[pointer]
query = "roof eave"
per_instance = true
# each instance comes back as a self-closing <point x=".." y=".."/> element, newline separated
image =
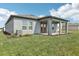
<point x="53" y="18"/>
<point x="11" y="16"/>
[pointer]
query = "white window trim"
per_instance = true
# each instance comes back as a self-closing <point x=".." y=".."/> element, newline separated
<point x="30" y="25"/>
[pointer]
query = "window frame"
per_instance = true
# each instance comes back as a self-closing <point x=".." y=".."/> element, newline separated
<point x="24" y="23"/>
<point x="25" y="27"/>
<point x="30" y="25"/>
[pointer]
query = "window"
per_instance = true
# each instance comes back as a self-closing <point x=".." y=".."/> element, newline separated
<point x="24" y="27"/>
<point x="24" y="24"/>
<point x="41" y="25"/>
<point x="52" y="26"/>
<point x="27" y="25"/>
<point x="30" y="25"/>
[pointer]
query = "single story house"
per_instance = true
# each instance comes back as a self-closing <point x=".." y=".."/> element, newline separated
<point x="30" y="24"/>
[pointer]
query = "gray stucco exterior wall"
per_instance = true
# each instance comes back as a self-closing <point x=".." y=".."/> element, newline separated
<point x="18" y="23"/>
<point x="9" y="26"/>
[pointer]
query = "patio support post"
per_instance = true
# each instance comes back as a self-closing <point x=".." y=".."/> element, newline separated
<point x="49" y="23"/>
<point x="66" y="28"/>
<point x="43" y="27"/>
<point x="60" y="27"/>
<point x="55" y="28"/>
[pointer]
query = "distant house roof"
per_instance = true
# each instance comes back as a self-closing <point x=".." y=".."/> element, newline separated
<point x="34" y="17"/>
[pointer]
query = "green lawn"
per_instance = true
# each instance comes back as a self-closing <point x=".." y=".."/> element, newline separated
<point x="40" y="45"/>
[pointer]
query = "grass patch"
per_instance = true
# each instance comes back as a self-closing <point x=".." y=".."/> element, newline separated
<point x="39" y="45"/>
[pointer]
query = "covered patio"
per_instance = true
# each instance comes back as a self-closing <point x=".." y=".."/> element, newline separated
<point x="53" y="26"/>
